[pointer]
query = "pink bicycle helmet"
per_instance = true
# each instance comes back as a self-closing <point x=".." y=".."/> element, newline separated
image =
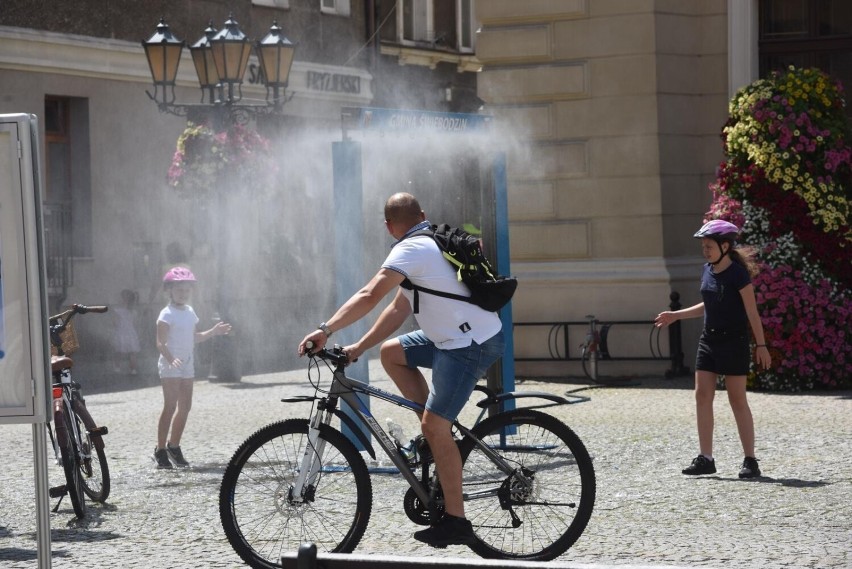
<point x="178" y="275"/>
<point x="718" y="230"/>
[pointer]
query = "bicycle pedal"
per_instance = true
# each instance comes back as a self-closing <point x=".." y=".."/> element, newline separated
<point x="57" y="491"/>
<point x="100" y="431"/>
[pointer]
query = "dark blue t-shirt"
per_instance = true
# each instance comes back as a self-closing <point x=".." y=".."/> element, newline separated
<point x="723" y="304"/>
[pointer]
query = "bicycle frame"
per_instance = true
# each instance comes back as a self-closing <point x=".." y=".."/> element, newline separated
<point x="348" y="389"/>
<point x="62" y="401"/>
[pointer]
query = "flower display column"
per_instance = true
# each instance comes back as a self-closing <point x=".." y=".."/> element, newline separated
<point x="787" y="181"/>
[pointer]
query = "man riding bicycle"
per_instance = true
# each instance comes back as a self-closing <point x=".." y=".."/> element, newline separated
<point x="457" y="340"/>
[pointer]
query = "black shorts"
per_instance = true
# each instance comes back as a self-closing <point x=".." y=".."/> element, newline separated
<point x="724" y="353"/>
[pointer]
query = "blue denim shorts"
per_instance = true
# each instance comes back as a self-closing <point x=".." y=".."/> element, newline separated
<point x="454" y="372"/>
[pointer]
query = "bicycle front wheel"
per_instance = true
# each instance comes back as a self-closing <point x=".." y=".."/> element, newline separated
<point x="540" y="510"/>
<point x="69" y="451"/>
<point x="263" y="519"/>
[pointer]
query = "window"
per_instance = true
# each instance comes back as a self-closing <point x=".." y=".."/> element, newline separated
<point x="416" y="25"/>
<point x="807" y="33"/>
<point x="336" y="7"/>
<point x="272" y="3"/>
<point x="437" y="24"/>
<point x="465" y="22"/>
<point x="67" y="175"/>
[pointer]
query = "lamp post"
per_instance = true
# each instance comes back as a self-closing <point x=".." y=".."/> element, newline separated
<point x="220" y="58"/>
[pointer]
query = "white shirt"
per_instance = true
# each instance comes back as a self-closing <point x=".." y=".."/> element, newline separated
<point x="449" y="323"/>
<point x="181" y="339"/>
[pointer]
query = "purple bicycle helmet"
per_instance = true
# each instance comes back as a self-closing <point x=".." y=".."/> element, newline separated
<point x="718" y="230"/>
<point x="178" y="275"/>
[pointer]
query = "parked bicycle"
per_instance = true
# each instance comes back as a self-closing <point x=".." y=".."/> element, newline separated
<point x="528" y="480"/>
<point x="591" y="349"/>
<point x="77" y="440"/>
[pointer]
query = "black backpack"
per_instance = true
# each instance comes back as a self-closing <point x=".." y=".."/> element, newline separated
<point x="488" y="291"/>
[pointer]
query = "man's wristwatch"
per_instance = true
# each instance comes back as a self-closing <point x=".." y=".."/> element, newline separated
<point x="325" y="329"/>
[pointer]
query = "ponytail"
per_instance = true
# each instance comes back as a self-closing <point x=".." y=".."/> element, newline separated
<point x="744" y="255"/>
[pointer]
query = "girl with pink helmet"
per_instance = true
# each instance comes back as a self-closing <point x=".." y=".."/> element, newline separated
<point x="729" y="310"/>
<point x="176" y="339"/>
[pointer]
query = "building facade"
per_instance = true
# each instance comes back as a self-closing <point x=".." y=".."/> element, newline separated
<point x="617" y="107"/>
<point x="609" y="112"/>
<point x="113" y="222"/>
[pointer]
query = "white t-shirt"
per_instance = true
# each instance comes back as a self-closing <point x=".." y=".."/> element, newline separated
<point x="449" y="323"/>
<point x="180" y="341"/>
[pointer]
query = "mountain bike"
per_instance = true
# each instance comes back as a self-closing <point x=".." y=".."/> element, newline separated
<point x="528" y="480"/>
<point x="77" y="441"/>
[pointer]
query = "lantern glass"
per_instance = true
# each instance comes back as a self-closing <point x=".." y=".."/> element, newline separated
<point x="163" y="51"/>
<point x="202" y="57"/>
<point x="231" y="51"/>
<point x="275" y="54"/>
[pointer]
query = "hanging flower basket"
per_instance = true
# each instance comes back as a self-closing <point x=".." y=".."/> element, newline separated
<point x="205" y="158"/>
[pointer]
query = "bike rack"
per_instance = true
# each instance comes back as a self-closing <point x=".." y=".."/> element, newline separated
<point x="559" y="340"/>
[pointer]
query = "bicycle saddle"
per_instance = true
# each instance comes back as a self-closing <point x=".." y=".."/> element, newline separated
<point x="58" y="363"/>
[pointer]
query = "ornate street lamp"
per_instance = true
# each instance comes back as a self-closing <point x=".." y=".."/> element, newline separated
<point x="163" y="51"/>
<point x="275" y="53"/>
<point x="220" y="58"/>
<point x="231" y="50"/>
<point x="202" y="57"/>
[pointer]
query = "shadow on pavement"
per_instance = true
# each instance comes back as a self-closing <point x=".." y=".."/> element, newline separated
<point x="789" y="482"/>
<point x="17" y="554"/>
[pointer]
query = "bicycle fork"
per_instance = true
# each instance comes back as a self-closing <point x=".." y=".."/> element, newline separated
<point x="312" y="458"/>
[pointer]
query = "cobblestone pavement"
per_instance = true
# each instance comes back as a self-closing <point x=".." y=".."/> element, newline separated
<point x="647" y="514"/>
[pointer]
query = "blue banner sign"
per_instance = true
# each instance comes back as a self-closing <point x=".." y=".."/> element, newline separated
<point x="411" y="121"/>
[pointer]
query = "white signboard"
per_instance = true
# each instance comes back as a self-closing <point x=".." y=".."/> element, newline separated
<point x="24" y="375"/>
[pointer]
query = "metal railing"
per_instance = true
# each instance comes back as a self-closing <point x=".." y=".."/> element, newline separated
<point x="591" y="344"/>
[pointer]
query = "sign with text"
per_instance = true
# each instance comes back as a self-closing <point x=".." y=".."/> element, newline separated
<point x="412" y="121"/>
<point x="24" y="375"/>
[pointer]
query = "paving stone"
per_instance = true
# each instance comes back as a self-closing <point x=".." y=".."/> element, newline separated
<point x="647" y="513"/>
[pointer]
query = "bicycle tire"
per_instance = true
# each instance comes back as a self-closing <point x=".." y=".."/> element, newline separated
<point x="94" y="469"/>
<point x="553" y="513"/>
<point x="68" y="451"/>
<point x="584" y="359"/>
<point x="260" y="520"/>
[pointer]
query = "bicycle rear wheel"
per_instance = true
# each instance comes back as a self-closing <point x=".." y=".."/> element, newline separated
<point x="69" y="452"/>
<point x="258" y="512"/>
<point x="94" y="470"/>
<point x="93" y="465"/>
<point x="539" y="522"/>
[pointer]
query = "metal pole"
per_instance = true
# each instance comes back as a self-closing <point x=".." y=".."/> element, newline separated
<point x="675" y="341"/>
<point x="307" y="556"/>
<point x="41" y="492"/>
<point x="348" y="267"/>
<point x="501" y="218"/>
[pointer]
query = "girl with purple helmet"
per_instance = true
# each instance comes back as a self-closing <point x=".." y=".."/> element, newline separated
<point x="176" y="339"/>
<point x="729" y="310"/>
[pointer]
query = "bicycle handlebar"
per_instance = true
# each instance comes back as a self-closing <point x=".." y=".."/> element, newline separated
<point x="336" y="355"/>
<point x="56" y="328"/>
<point x="77" y="309"/>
